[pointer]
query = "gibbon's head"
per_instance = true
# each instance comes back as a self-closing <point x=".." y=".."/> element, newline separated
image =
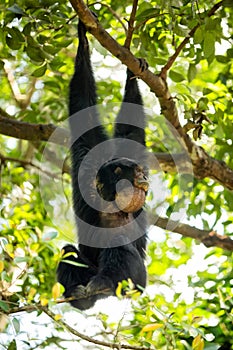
<point x="123" y="181"/>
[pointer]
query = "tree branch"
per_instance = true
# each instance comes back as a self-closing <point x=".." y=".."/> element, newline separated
<point x="112" y="11"/>
<point x="25" y="163"/>
<point x="207" y="237"/>
<point x="33" y="132"/>
<point x="131" y="25"/>
<point x="61" y="323"/>
<point x="22" y="100"/>
<point x="203" y="164"/>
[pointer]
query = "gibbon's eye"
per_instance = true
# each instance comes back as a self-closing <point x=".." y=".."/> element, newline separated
<point x="118" y="170"/>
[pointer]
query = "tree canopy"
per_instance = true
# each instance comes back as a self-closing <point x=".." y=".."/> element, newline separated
<point x="187" y="93"/>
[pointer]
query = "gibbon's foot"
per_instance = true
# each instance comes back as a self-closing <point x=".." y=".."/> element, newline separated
<point x="101" y="286"/>
<point x="80" y="292"/>
<point x="82" y="301"/>
<point x="143" y="65"/>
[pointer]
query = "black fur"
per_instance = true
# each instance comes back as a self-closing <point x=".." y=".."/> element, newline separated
<point x="107" y="257"/>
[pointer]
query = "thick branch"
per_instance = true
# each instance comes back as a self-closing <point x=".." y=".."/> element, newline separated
<point x="208" y="238"/>
<point x="203" y="164"/>
<point x="33" y="132"/>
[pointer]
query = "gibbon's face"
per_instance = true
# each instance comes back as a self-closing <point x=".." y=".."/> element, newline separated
<point x="125" y="182"/>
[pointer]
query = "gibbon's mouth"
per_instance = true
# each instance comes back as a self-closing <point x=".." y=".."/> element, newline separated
<point x="130" y="199"/>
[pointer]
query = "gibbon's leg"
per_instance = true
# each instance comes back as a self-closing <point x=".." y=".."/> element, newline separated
<point x="74" y="278"/>
<point x="117" y="264"/>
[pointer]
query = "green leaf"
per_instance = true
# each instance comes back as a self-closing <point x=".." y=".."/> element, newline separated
<point x="16" y="325"/>
<point x="160" y="61"/>
<point x="222" y="59"/>
<point x="227" y="3"/>
<point x="207" y="91"/>
<point x="148" y="13"/>
<point x="12" y="43"/>
<point x="34" y="53"/>
<point x="192" y="71"/>
<point x="12" y="345"/>
<point x="180" y="30"/>
<point x="14" y="38"/>
<point x="202" y="103"/>
<point x="27" y="29"/>
<point x="16" y="34"/>
<point x="39" y="72"/>
<point x="210" y="24"/>
<point x="16" y="9"/>
<point x="230" y="53"/>
<point x="48" y="236"/>
<point x="4" y="306"/>
<point x="198" y="35"/>
<point x="176" y="76"/>
<point x="51" y="49"/>
<point x="209" y="44"/>
<point x="21" y="259"/>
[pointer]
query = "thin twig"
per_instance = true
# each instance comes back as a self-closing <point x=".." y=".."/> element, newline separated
<point x="91" y="339"/>
<point x="22" y="100"/>
<point x="53" y="316"/>
<point x="131" y="25"/>
<point x="112" y="11"/>
<point x="148" y="18"/>
<point x="26" y="163"/>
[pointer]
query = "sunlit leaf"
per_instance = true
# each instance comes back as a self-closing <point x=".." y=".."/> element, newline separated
<point x="119" y="290"/>
<point x="58" y="317"/>
<point x="1" y="266"/>
<point x="152" y="327"/>
<point x="44" y="301"/>
<point x="198" y="343"/>
<point x="57" y="290"/>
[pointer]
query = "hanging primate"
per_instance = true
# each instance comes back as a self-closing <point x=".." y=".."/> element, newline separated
<point x="109" y="180"/>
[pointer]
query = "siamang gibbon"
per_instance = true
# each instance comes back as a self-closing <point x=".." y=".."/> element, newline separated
<point x="109" y="182"/>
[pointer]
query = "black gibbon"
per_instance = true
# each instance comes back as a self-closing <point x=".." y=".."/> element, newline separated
<point x="108" y="190"/>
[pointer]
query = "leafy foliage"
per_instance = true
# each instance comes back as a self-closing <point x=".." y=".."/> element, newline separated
<point x="188" y="304"/>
